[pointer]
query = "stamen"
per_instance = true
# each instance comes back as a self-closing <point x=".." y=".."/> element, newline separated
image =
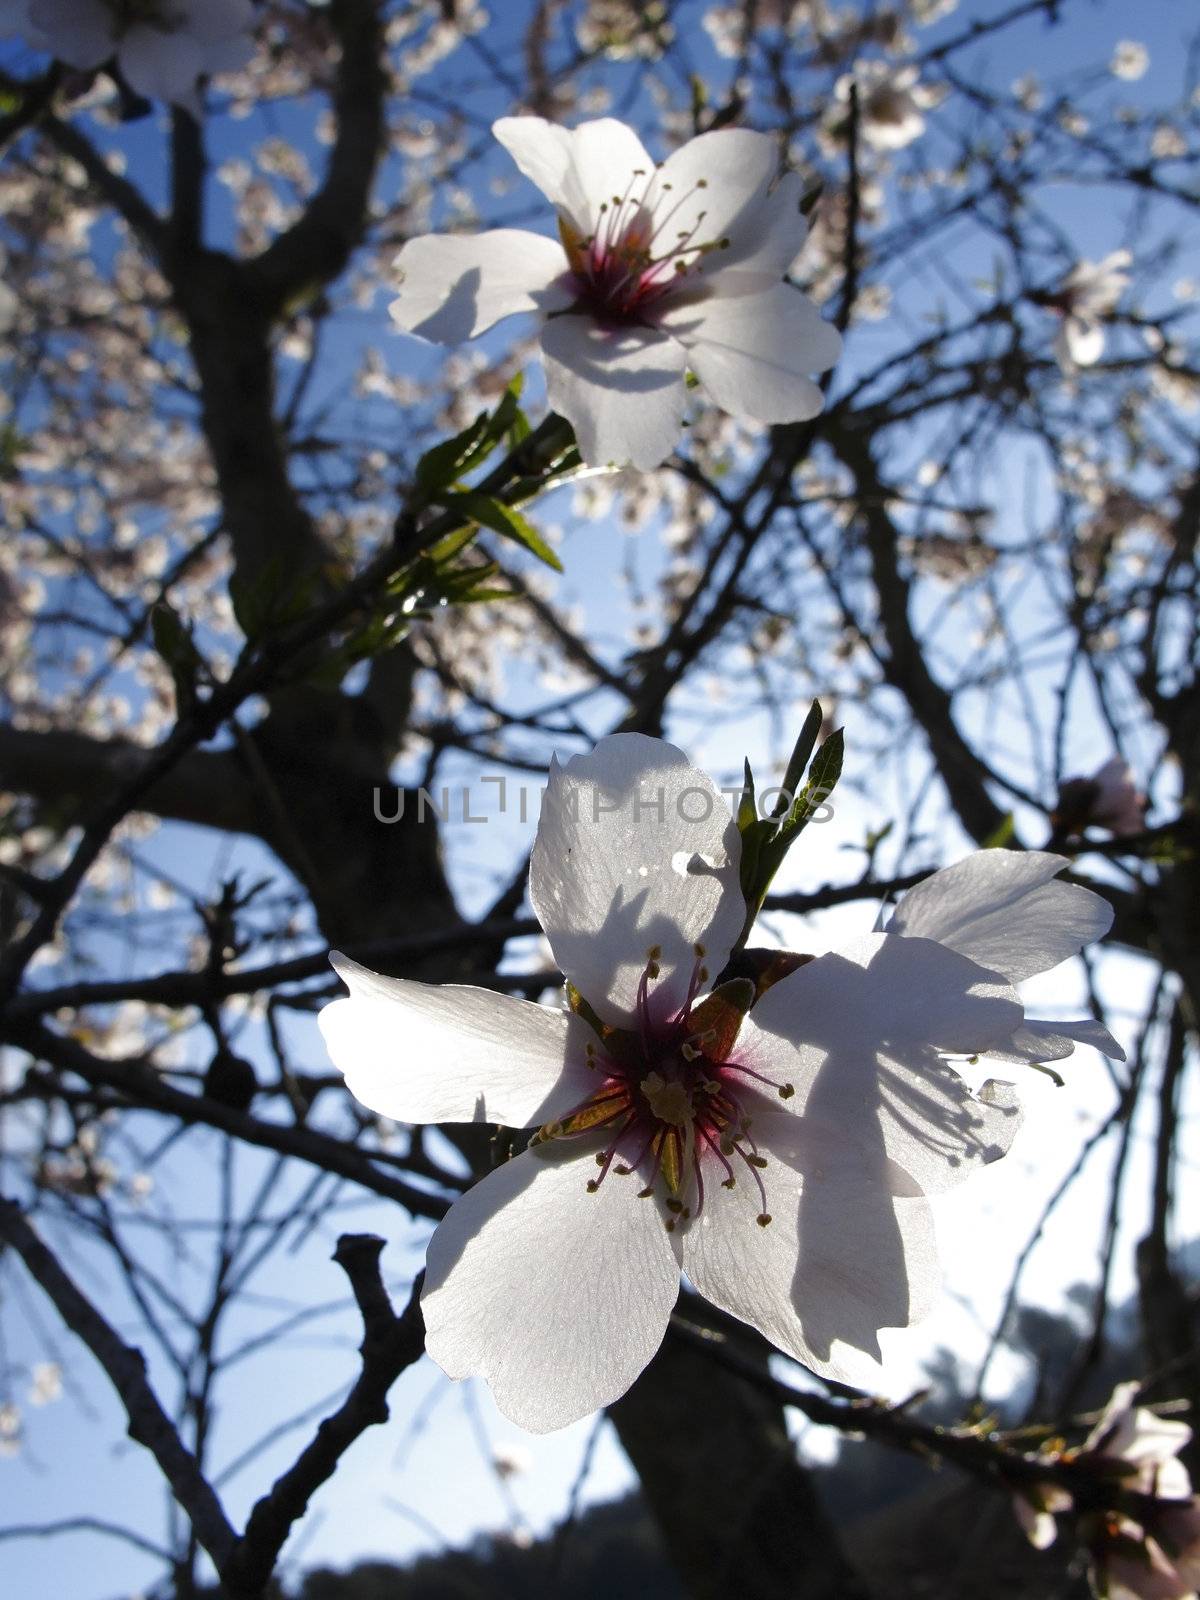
<point x="785" y="1091"/>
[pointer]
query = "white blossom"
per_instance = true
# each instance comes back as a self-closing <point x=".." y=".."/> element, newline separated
<point x="891" y="103"/>
<point x="781" y="1160"/>
<point x="1145" y="1444"/>
<point x="657" y="270"/>
<point x="1129" y="60"/>
<point x="1159" y="1557"/>
<point x="162" y="46"/>
<point x="1089" y="292"/>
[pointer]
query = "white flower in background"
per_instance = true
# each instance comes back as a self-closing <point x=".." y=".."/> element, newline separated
<point x="46" y="1385"/>
<point x="1089" y="293"/>
<point x="1035" y="1507"/>
<point x="1007" y="911"/>
<point x="781" y="1160"/>
<point x="162" y="46"/>
<point x="1158" y="1558"/>
<point x="1129" y="60"/>
<point x="891" y="103"/>
<point x="660" y="270"/>
<point x="1145" y="1445"/>
<point x="1108" y="799"/>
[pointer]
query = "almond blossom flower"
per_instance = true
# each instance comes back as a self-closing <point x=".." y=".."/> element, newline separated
<point x="891" y="103"/>
<point x="1088" y="294"/>
<point x="1130" y="60"/>
<point x="1158" y="1557"/>
<point x="1007" y="911"/>
<point x="1108" y="799"/>
<point x="1133" y="1450"/>
<point x="1144" y="1445"/>
<point x="162" y="46"/>
<point x="781" y="1160"/>
<point x="657" y="271"/>
<point x="1118" y="805"/>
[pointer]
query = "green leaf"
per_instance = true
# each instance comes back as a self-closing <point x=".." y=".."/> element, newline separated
<point x="174" y="643"/>
<point x="805" y="745"/>
<point x="766" y="841"/>
<point x="502" y="519"/>
<point x="1001" y="835"/>
<point x="446" y="462"/>
<point x="747" y="811"/>
<point x="823" y="776"/>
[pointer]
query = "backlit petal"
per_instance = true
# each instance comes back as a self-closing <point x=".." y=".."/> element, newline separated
<point x="557" y="1297"/>
<point x="841" y="1258"/>
<point x="723" y="186"/>
<point x="420" y="1052"/>
<point x="635" y="850"/>
<point x="1006" y="910"/>
<point x="858" y="1035"/>
<point x="577" y="169"/>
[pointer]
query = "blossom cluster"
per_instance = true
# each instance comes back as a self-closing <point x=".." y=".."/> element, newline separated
<point x="162" y="47"/>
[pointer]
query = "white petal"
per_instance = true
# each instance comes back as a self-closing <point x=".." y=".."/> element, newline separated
<point x="1136" y="1434"/>
<point x="1080" y="342"/>
<point x="557" y="1297"/>
<point x="578" y="169"/>
<point x="1006" y="910"/>
<point x="212" y="21"/>
<point x="841" y="1257"/>
<point x="858" y="1034"/>
<point x="1054" y="1041"/>
<point x="162" y="66"/>
<point x="79" y="32"/>
<point x="421" y="1052"/>
<point x="739" y="200"/>
<point x="1039" y="1526"/>
<point x="621" y="389"/>
<point x="635" y="849"/>
<point x="751" y="352"/>
<point x="454" y="287"/>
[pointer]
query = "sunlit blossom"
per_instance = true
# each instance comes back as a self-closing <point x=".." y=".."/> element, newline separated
<point x="1130" y="60"/>
<point x="1088" y="294"/>
<point x="658" y="270"/>
<point x="891" y="103"/>
<point x="781" y="1160"/>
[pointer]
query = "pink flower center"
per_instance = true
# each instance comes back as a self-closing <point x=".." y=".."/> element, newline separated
<point x="637" y="255"/>
<point x="671" y="1101"/>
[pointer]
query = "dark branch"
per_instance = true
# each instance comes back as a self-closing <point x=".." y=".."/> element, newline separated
<point x="149" y="1424"/>
<point x="390" y="1344"/>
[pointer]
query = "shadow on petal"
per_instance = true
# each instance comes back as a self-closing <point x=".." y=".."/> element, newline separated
<point x="459" y="310"/>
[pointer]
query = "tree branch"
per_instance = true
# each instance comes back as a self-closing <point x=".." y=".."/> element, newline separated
<point x="390" y="1344"/>
<point x="149" y="1424"/>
